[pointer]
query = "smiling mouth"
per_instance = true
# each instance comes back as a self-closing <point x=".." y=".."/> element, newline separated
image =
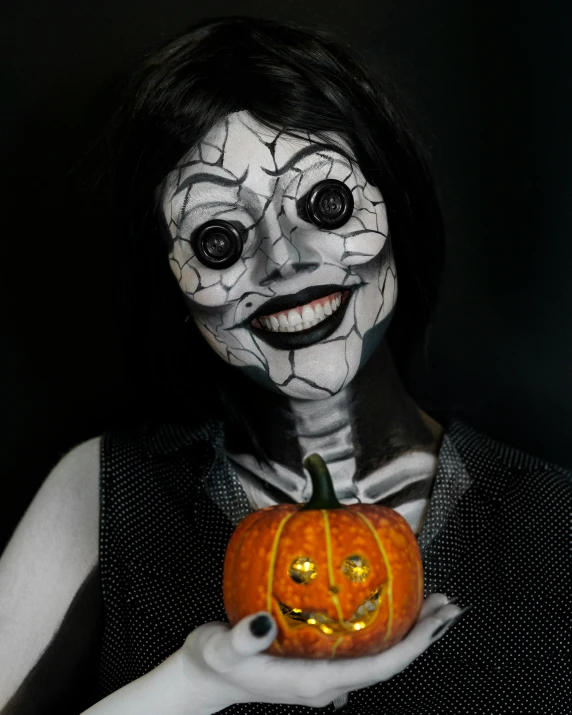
<point x="301" y="319"/>
<point x="364" y="616"/>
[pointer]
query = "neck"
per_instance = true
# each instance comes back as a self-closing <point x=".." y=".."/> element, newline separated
<point x="378" y="445"/>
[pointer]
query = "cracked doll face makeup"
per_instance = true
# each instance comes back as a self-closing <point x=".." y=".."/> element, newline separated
<point x="281" y="249"/>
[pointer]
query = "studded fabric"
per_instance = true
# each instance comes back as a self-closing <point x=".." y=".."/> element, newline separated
<point x="495" y="537"/>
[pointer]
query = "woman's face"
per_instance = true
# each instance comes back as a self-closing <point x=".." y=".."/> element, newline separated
<point x="295" y="294"/>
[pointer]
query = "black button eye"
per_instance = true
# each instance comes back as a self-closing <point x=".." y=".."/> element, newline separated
<point x="329" y="204"/>
<point x="217" y="244"/>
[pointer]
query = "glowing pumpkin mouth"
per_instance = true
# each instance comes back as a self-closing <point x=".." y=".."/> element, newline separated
<point x="363" y="617"/>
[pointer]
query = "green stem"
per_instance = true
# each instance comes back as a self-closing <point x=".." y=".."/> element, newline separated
<point x="323" y="494"/>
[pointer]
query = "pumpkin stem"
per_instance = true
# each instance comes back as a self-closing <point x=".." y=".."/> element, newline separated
<point x="323" y="494"/>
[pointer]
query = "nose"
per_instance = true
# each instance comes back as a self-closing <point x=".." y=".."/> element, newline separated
<point x="286" y="257"/>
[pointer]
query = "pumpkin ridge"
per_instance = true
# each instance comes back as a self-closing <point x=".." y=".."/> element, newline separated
<point x="389" y="573"/>
<point x="231" y="563"/>
<point x="330" y="559"/>
<point x="335" y="646"/>
<point x="235" y="562"/>
<point x="273" y="554"/>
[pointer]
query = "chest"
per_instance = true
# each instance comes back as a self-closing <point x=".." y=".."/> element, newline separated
<point x="404" y="484"/>
<point x="162" y="551"/>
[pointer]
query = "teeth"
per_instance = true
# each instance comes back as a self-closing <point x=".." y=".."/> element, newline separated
<point x="308" y="314"/>
<point x="294" y="318"/>
<point x="301" y="318"/>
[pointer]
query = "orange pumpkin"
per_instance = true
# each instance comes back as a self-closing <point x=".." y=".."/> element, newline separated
<point x="341" y="581"/>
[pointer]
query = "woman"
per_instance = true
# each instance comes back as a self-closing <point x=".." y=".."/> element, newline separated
<point x="291" y="201"/>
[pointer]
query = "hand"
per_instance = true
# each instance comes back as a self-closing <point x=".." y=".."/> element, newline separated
<point x="234" y="669"/>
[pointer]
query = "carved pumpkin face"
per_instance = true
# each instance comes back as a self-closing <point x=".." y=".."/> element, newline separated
<point x="340" y="582"/>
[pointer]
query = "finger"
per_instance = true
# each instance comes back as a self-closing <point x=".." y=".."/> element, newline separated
<point x="445" y="614"/>
<point x="248" y="637"/>
<point x="340" y="701"/>
<point x="253" y="634"/>
<point x="362" y="672"/>
<point x="433" y="603"/>
<point x="449" y="622"/>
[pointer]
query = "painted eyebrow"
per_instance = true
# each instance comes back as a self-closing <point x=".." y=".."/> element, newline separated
<point x="215" y="208"/>
<point x="302" y="154"/>
<point x="205" y="177"/>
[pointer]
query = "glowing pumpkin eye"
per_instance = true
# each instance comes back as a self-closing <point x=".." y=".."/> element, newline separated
<point x="356" y="568"/>
<point x="302" y="570"/>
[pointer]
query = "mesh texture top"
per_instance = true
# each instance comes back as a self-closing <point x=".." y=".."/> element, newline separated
<point x="495" y="537"/>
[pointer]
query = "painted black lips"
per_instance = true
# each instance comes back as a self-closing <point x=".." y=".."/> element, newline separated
<point x="309" y="336"/>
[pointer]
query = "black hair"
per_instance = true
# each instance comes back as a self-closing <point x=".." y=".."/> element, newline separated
<point x="291" y="79"/>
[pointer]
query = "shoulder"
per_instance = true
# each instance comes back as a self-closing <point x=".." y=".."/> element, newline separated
<point x="66" y="505"/>
<point x="527" y="498"/>
<point x="76" y="475"/>
<point x="52" y="552"/>
<point x="489" y="459"/>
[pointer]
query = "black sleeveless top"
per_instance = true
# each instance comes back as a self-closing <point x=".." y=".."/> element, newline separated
<point x="495" y="537"/>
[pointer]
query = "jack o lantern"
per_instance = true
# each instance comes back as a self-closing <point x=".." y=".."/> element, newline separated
<point x="341" y="581"/>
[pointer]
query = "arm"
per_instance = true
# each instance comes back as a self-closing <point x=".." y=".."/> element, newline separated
<point x="49" y="592"/>
<point x="218" y="666"/>
<point x="48" y="627"/>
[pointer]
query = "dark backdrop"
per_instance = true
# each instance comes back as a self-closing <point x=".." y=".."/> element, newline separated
<point x="490" y="87"/>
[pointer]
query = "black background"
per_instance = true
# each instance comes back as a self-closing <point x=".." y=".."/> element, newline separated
<point x="489" y="86"/>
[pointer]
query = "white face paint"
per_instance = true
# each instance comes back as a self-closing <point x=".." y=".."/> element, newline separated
<point x="302" y="307"/>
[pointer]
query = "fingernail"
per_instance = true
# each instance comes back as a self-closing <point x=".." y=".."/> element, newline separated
<point x="451" y="622"/>
<point x="260" y="625"/>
